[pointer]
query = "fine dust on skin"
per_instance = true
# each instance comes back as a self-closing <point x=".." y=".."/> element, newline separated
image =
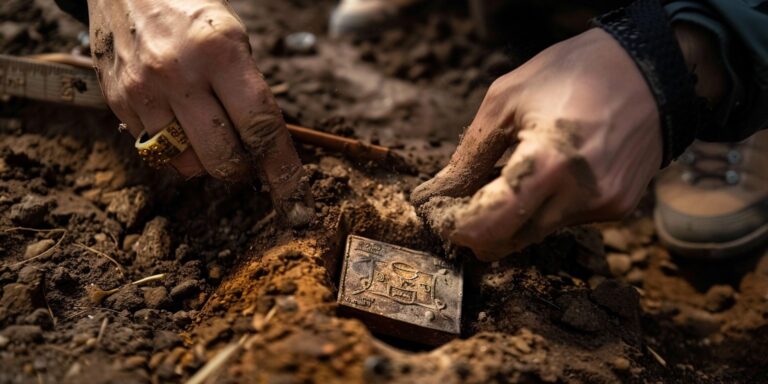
<point x="297" y="209"/>
<point x="104" y="46"/>
<point x="514" y="173"/>
<point x="464" y="180"/>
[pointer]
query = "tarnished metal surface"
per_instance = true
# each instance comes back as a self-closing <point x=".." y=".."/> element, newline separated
<point x="401" y="292"/>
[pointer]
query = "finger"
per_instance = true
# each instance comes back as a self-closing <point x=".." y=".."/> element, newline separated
<point x="497" y="212"/>
<point x="486" y="140"/>
<point x="155" y="116"/>
<point x="212" y="136"/>
<point x="249" y="103"/>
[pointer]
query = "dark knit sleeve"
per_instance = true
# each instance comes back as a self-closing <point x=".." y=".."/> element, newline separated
<point x="77" y="8"/>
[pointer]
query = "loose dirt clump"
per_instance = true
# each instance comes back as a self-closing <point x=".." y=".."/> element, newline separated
<point x="199" y="280"/>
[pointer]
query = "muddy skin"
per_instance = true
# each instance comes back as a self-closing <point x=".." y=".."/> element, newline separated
<point x="463" y="181"/>
<point x="104" y="45"/>
<point x="515" y="173"/>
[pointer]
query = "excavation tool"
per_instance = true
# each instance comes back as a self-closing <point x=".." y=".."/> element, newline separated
<point x="70" y="80"/>
<point x="400" y="292"/>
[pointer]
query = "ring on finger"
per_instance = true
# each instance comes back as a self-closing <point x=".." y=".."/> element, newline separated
<point x="158" y="150"/>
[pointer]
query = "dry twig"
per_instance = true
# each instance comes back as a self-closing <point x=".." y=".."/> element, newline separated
<point x="45" y="253"/>
<point x="104" y="255"/>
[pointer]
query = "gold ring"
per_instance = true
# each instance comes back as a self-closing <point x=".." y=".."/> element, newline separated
<point x="159" y="149"/>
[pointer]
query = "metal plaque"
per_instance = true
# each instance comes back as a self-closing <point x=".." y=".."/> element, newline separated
<point x="401" y="292"/>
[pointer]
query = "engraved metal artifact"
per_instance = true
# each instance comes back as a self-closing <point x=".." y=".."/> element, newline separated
<point x="401" y="292"/>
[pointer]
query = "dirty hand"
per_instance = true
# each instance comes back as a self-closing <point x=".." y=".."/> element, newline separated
<point x="191" y="59"/>
<point x="585" y="132"/>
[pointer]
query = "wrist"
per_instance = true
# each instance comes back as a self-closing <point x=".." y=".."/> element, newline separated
<point x="700" y="50"/>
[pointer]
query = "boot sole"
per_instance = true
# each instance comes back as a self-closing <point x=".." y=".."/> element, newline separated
<point x="712" y="251"/>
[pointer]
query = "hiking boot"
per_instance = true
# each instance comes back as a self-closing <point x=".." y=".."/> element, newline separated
<point x="713" y="202"/>
<point x="366" y="17"/>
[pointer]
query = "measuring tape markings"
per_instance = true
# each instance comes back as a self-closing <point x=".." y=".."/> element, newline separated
<point x="49" y="82"/>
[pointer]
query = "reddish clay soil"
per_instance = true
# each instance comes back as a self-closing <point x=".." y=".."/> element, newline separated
<point x="79" y="214"/>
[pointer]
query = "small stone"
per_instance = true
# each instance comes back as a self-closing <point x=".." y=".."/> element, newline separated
<point x="4" y="341"/>
<point x="181" y="319"/>
<point x="129" y="241"/>
<point x="215" y="272"/>
<point x="184" y="289"/>
<point x="621" y="364"/>
<point x="154" y="243"/>
<point x="133" y="362"/>
<point x="130" y="205"/>
<point x="635" y="276"/>
<point x="166" y="340"/>
<point x="37" y="248"/>
<point x="128" y="298"/>
<point x="668" y="267"/>
<point x="719" y="298"/>
<point x="23" y="334"/>
<point x="619" y="263"/>
<point x="616" y="239"/>
<point x="521" y="345"/>
<point x="40" y="317"/>
<point x="156" y="297"/>
<point x="701" y="323"/>
<point x="595" y="280"/>
<point x="639" y="256"/>
<point x="31" y="211"/>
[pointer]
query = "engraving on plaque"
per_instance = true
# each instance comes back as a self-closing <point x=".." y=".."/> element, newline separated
<point x="400" y="284"/>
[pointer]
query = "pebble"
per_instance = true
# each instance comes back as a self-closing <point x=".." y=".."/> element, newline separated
<point x="621" y="364"/>
<point x="38" y="248"/>
<point x="719" y="298"/>
<point x="129" y="241"/>
<point x="185" y="288"/>
<point x="23" y="333"/>
<point x="156" y="297"/>
<point x="616" y="239"/>
<point x="4" y="341"/>
<point x="134" y="362"/>
<point x="619" y="263"/>
<point x="31" y="211"/>
<point x="154" y="243"/>
<point x="130" y="205"/>
<point x="635" y="276"/>
<point x="639" y="256"/>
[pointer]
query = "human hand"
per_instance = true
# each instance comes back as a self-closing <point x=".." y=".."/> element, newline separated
<point x="586" y="136"/>
<point x="191" y="59"/>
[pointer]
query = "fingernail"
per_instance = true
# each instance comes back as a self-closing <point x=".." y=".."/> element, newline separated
<point x="297" y="214"/>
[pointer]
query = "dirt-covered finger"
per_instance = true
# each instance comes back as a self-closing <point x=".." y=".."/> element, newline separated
<point x="489" y="222"/>
<point x="259" y="123"/>
<point x="484" y="142"/>
<point x="212" y="136"/>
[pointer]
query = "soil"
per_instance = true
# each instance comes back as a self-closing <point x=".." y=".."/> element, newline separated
<point x="229" y="287"/>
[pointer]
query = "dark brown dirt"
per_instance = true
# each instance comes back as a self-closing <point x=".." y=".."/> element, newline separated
<point x="603" y="304"/>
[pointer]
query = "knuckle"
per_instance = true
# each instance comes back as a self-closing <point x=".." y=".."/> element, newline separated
<point x="259" y="132"/>
<point x="227" y="36"/>
<point x="131" y="83"/>
<point x="164" y="63"/>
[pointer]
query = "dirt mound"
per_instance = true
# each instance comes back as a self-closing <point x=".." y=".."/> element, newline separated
<point x="111" y="272"/>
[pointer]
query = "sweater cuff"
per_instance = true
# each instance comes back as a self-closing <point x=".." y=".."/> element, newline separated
<point x="643" y="30"/>
<point x="77" y="8"/>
